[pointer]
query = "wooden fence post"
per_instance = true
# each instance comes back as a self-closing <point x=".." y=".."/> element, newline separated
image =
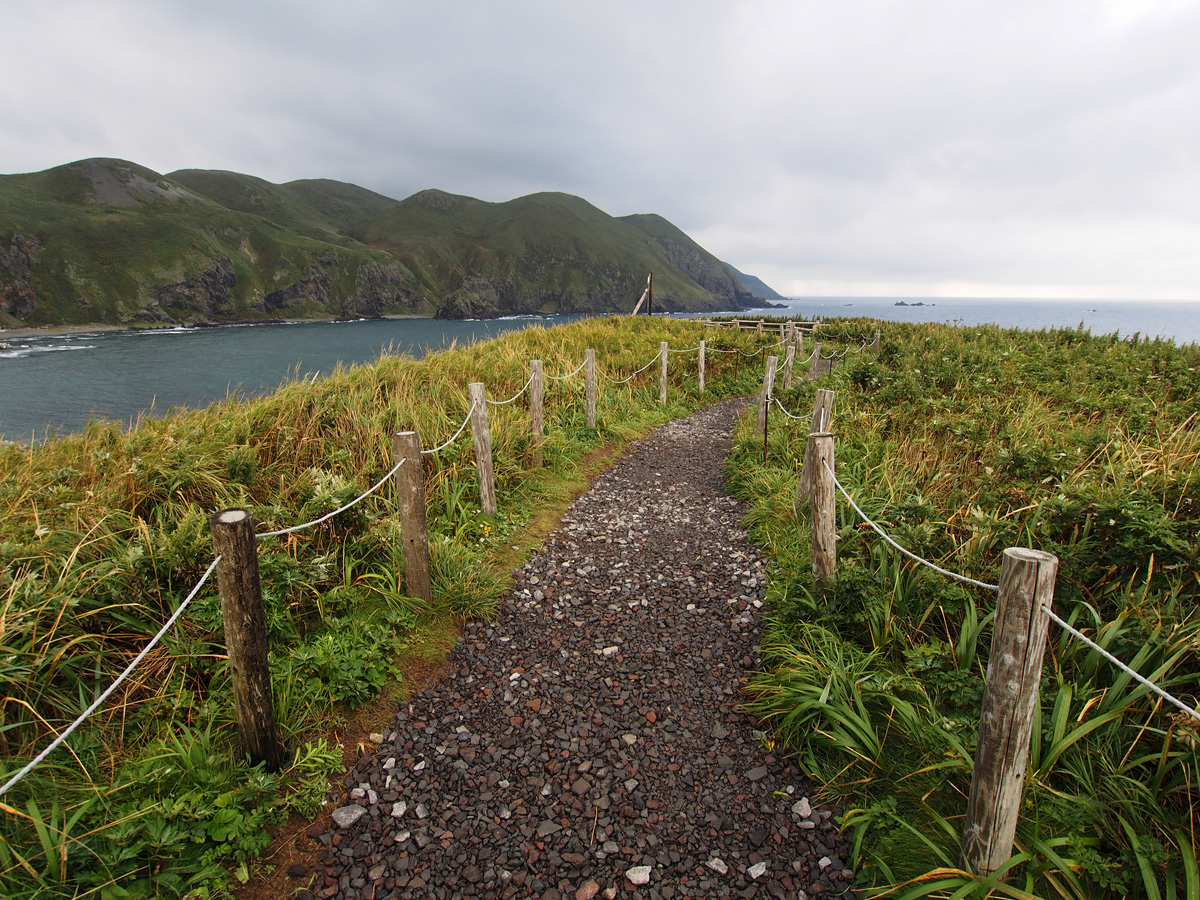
<point x="536" y="423"/>
<point x="410" y="498"/>
<point x="817" y="366"/>
<point x="875" y="343"/>
<point x="788" y="362"/>
<point x="245" y="634"/>
<point x="663" y="353"/>
<point x="1010" y="701"/>
<point x="822" y="420"/>
<point x="483" y="447"/>
<point x="589" y="370"/>
<point x="701" y="367"/>
<point x="824" y="508"/>
<point x="764" y="396"/>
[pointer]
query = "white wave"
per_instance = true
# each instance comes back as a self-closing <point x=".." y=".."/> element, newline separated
<point x="30" y="349"/>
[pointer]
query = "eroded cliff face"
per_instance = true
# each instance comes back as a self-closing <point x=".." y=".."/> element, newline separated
<point x="205" y="298"/>
<point x="380" y="287"/>
<point x="18" y="256"/>
<point x="718" y="279"/>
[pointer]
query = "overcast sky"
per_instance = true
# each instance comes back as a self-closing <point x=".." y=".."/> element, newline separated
<point x="1010" y="148"/>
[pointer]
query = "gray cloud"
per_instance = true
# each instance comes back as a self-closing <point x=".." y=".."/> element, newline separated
<point x="1014" y="148"/>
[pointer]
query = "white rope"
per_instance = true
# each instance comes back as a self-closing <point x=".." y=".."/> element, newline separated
<point x="1120" y="665"/>
<point x="755" y="353"/>
<point x="33" y="763"/>
<point x="718" y="350"/>
<point x="565" y="377"/>
<point x="657" y="356"/>
<point x="784" y="408"/>
<point x="810" y="356"/>
<point x="380" y="483"/>
<point x="909" y="554"/>
<point x="673" y="350"/>
<point x="461" y="429"/>
<point x="514" y="396"/>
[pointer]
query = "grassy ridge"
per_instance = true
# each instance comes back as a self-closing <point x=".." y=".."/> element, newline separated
<point x="109" y="242"/>
<point x="961" y="442"/>
<point x="103" y="533"/>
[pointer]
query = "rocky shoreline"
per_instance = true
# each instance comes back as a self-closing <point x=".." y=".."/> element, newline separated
<point x="588" y="742"/>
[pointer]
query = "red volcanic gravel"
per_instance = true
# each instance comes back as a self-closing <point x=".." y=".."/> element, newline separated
<point x="587" y="742"/>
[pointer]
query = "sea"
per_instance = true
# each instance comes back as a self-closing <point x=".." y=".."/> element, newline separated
<point x="54" y="383"/>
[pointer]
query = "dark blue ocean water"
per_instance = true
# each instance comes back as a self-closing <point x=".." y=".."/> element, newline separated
<point x="58" y="382"/>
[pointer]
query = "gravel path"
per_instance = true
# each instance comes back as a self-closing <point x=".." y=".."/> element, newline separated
<point x="587" y="743"/>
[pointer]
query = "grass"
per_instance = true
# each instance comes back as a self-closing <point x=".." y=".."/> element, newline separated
<point x="104" y="532"/>
<point x="961" y="442"/>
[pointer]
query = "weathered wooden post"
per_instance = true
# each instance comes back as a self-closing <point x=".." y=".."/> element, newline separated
<point x="816" y="367"/>
<point x="824" y="508"/>
<point x="410" y="499"/>
<point x="1010" y="701"/>
<point x="650" y="294"/>
<point x="245" y="634"/>
<point x="701" y="367"/>
<point x="589" y="369"/>
<point x="663" y="353"/>
<point x="483" y="447"/>
<point x="764" y="396"/>
<point x="875" y="343"/>
<point x="788" y="362"/>
<point x="536" y="423"/>
<point x="822" y="419"/>
<point x="759" y="328"/>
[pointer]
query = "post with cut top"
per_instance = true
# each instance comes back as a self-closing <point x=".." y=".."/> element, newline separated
<point x="589" y="371"/>
<point x="822" y="420"/>
<point x="1010" y="701"/>
<point x="410" y="500"/>
<point x="764" y="396"/>
<point x="824" y="509"/>
<point x="536" y="423"/>
<point x="788" y="362"/>
<point x="483" y="447"/>
<point x="663" y="353"/>
<point x="875" y="343"/>
<point x="245" y="634"/>
<point x="701" y="367"/>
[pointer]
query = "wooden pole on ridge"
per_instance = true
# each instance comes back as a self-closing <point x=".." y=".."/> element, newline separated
<point x="410" y="499"/>
<point x="824" y="508"/>
<point x="701" y="367"/>
<point x="663" y="353"/>
<point x="1010" y="701"/>
<point x="246" y="634"/>
<point x="536" y="416"/>
<point x="589" y="369"/>
<point x="483" y="447"/>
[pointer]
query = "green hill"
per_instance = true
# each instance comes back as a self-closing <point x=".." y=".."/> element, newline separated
<point x="109" y="242"/>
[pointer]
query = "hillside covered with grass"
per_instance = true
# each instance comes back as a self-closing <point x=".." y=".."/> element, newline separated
<point x="105" y="241"/>
<point x="960" y="442"/>
<point x="103" y="534"/>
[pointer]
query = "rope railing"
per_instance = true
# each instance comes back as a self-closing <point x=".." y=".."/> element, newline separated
<point x="657" y="356"/>
<point x="688" y="350"/>
<point x="571" y="375"/>
<point x="341" y="509"/>
<point x="461" y="429"/>
<point x="513" y="397"/>
<point x="98" y="702"/>
<point x="1145" y="682"/>
<point x="1054" y="617"/>
<point x="883" y="534"/>
<point x="784" y="409"/>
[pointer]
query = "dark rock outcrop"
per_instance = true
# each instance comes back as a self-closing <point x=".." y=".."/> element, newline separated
<point x="205" y="298"/>
<point x="18" y="256"/>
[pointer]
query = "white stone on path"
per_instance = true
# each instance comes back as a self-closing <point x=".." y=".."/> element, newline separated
<point x="717" y="865"/>
<point x="345" y="816"/>
<point x="399" y="808"/>
<point x="802" y="808"/>
<point x="638" y="875"/>
<point x="757" y="870"/>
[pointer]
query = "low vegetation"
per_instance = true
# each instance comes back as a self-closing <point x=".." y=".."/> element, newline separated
<point x="961" y="442"/>
<point x="103" y="533"/>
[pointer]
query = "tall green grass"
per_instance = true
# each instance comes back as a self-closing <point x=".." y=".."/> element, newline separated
<point x="961" y="442"/>
<point x="103" y="533"/>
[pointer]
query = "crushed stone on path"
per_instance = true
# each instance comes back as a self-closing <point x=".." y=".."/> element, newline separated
<point x="587" y="742"/>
